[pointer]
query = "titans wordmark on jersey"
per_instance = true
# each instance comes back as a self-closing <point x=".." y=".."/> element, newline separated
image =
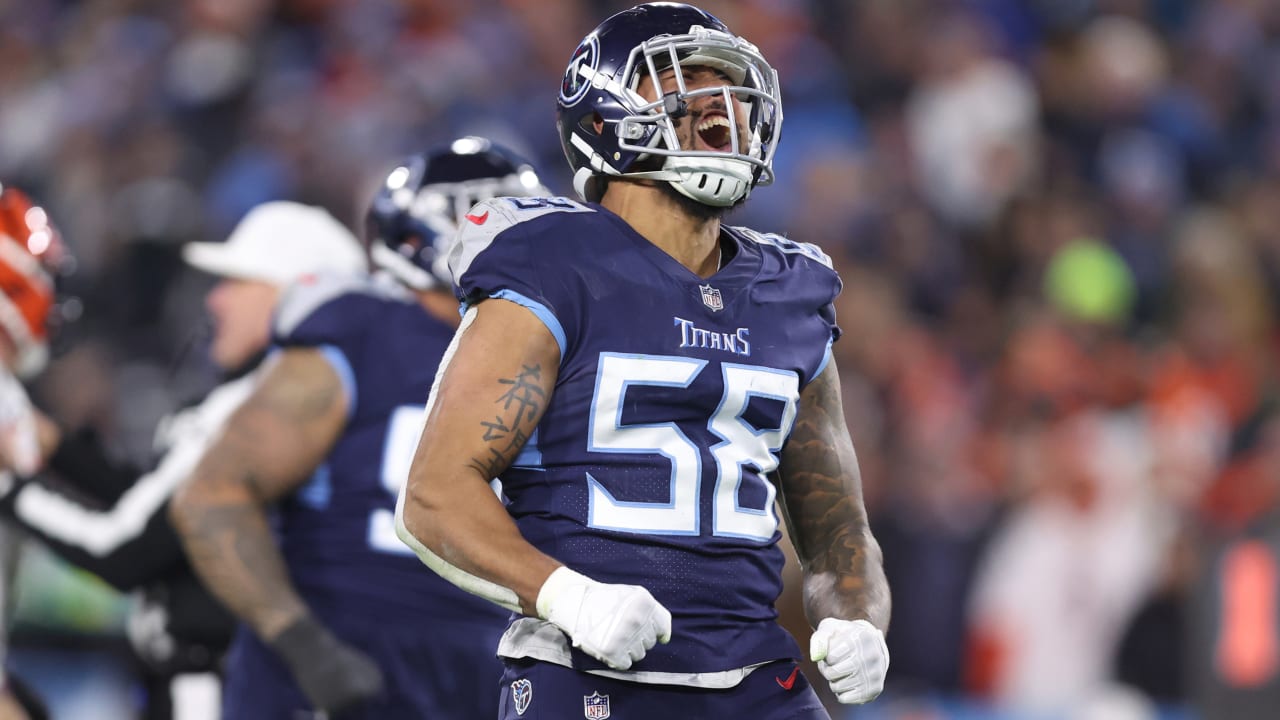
<point x="674" y="398"/>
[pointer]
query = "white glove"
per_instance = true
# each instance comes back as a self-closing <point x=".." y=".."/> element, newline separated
<point x="615" y="624"/>
<point x="853" y="658"/>
<point x="19" y="441"/>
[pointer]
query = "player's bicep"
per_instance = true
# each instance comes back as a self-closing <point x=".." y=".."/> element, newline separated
<point x="820" y="484"/>
<point x="491" y="392"/>
<point x="282" y="432"/>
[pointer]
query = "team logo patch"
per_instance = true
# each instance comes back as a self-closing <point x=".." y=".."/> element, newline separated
<point x="595" y="706"/>
<point x="522" y="694"/>
<point x="711" y="297"/>
<point x="573" y="86"/>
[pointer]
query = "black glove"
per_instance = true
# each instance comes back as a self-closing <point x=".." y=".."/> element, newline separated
<point x="333" y="675"/>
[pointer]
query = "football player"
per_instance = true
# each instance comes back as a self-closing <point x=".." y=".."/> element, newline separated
<point x="325" y="438"/>
<point x="646" y="381"/>
<point x="116" y="523"/>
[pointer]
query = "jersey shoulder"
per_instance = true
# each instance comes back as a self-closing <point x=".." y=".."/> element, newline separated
<point x="325" y="309"/>
<point x="503" y="225"/>
<point x="793" y="274"/>
<point x="783" y="247"/>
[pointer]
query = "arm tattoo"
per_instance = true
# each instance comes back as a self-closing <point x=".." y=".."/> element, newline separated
<point x="225" y="544"/>
<point x="822" y="496"/>
<point x="522" y="402"/>
<point x="267" y="448"/>
<point x="284" y="415"/>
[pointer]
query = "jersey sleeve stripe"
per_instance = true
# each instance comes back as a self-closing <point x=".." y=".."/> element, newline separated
<point x="318" y="489"/>
<point x="530" y="457"/>
<point x="826" y="358"/>
<point x="544" y="314"/>
<point x="342" y="366"/>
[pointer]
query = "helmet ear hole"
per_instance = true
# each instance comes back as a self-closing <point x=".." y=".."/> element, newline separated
<point x="593" y="123"/>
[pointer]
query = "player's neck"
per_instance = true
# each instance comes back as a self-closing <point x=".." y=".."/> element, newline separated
<point x="692" y="241"/>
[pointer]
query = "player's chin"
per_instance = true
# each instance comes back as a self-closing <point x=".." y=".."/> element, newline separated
<point x="695" y="209"/>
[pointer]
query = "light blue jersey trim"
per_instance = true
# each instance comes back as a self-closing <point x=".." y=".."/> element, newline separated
<point x="542" y="311"/>
<point x="316" y="493"/>
<point x="340" y="365"/>
<point x="826" y="358"/>
<point x="530" y="457"/>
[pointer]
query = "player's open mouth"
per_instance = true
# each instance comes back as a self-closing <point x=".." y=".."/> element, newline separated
<point x="715" y="132"/>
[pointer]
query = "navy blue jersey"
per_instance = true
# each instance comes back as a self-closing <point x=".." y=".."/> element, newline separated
<point x="337" y="532"/>
<point x="674" y="398"/>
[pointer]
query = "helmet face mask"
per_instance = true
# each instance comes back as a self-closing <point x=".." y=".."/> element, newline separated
<point x="602" y="84"/>
<point x="416" y="211"/>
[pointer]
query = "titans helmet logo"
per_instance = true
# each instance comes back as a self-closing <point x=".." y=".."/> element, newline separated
<point x="574" y="85"/>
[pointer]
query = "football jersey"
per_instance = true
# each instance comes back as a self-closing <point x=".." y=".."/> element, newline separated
<point x="674" y="397"/>
<point x="337" y="532"/>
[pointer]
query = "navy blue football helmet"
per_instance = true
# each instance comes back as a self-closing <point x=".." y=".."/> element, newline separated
<point x="601" y="84"/>
<point x="415" y="213"/>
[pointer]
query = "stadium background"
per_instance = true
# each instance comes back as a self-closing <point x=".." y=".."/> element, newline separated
<point x="1056" y="221"/>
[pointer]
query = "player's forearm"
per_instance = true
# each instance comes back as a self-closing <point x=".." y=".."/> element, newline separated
<point x="493" y="390"/>
<point x="848" y="582"/>
<point x="821" y="491"/>
<point x="842" y="562"/>
<point x="226" y="537"/>
<point x="461" y="531"/>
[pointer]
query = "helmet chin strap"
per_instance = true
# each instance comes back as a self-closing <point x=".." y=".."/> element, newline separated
<point x="719" y="182"/>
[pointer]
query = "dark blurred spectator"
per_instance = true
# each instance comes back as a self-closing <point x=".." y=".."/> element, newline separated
<point x="971" y="119"/>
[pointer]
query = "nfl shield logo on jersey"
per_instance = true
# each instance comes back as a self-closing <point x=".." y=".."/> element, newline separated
<point x="711" y="297"/>
<point x="595" y="706"/>
<point x="522" y="694"/>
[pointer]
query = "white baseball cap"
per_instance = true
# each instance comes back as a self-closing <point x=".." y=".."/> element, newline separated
<point x="279" y="242"/>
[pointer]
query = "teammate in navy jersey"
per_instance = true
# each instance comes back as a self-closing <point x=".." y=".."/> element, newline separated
<point x="106" y="516"/>
<point x="326" y="436"/>
<point x="646" y="382"/>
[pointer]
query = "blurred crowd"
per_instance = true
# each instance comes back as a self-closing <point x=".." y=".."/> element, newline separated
<point x="1057" y="223"/>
